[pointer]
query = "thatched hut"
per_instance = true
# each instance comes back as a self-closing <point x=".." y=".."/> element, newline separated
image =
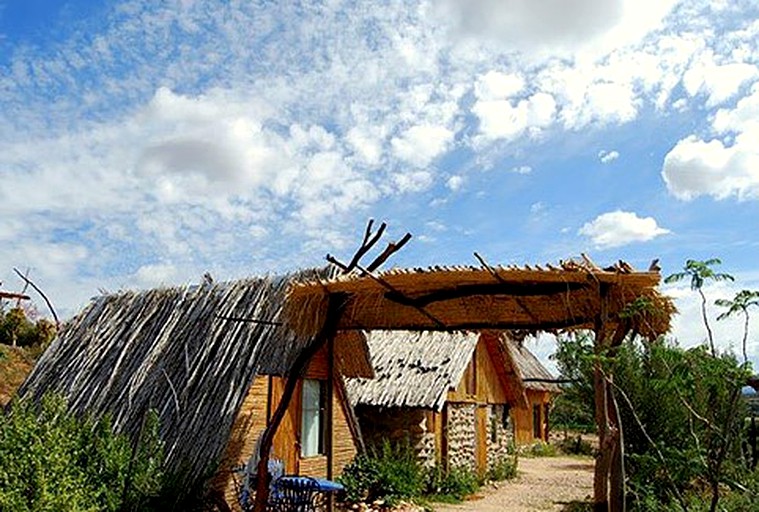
<point x="459" y="399"/>
<point x="211" y="360"/>
<point x="531" y="418"/>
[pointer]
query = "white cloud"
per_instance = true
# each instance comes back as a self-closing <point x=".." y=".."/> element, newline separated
<point x="718" y="82"/>
<point x="455" y="183"/>
<point x="607" y="156"/>
<point x="495" y="85"/>
<point x="555" y="26"/>
<point x="618" y="228"/>
<point x="155" y="274"/>
<point x="522" y="169"/>
<point x="419" y="145"/>
<point x="721" y="167"/>
<point x="503" y="119"/>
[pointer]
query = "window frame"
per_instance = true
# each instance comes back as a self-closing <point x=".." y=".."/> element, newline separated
<point x="310" y="414"/>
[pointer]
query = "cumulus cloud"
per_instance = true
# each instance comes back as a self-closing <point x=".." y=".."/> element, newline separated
<point x="555" y="25"/>
<point x="719" y="82"/>
<point x="607" y="156"/>
<point x="504" y="119"/>
<point x="719" y="167"/>
<point x="419" y="145"/>
<point x="618" y="228"/>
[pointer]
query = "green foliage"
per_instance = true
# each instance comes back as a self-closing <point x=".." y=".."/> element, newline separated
<point x="451" y="486"/>
<point x="573" y="408"/>
<point x="388" y="472"/>
<point x="540" y="449"/>
<point x="575" y="445"/>
<point x="699" y="272"/>
<point x="53" y="461"/>
<point x="504" y="469"/>
<point x="684" y="421"/>
<point x="17" y="329"/>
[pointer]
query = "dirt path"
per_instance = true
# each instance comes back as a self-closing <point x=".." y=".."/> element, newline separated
<point x="543" y="484"/>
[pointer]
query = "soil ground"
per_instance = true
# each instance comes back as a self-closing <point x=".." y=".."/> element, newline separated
<point x="543" y="484"/>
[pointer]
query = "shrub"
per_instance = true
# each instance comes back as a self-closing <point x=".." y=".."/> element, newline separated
<point x="17" y="329"/>
<point x="53" y="461"/>
<point x="541" y="449"/>
<point x="504" y="469"/>
<point x="575" y="446"/>
<point x="387" y="473"/>
<point x="451" y="486"/>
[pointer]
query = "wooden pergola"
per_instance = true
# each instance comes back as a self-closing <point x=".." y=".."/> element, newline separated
<point x="612" y="301"/>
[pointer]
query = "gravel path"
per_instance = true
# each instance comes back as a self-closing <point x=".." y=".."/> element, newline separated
<point x="543" y="484"/>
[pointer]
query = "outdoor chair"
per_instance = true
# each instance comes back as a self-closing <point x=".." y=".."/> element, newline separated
<point x="295" y="494"/>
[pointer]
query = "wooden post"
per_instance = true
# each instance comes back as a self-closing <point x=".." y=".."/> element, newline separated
<point x="617" y="469"/>
<point x="603" y="461"/>
<point x="335" y="308"/>
<point x="328" y="441"/>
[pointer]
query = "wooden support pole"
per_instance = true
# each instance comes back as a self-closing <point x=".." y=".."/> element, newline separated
<point x="603" y="461"/>
<point x="328" y="440"/>
<point x="335" y="308"/>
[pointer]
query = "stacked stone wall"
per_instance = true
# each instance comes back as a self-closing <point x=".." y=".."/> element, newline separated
<point x="461" y="436"/>
<point x="499" y="448"/>
<point x="398" y="425"/>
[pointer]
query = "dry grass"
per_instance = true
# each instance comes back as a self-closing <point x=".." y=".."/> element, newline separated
<point x="15" y="365"/>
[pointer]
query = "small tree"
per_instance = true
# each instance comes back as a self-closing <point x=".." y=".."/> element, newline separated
<point x="699" y="272"/>
<point x="743" y="300"/>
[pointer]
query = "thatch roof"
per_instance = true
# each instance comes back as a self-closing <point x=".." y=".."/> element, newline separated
<point x="470" y="298"/>
<point x="169" y="349"/>
<point x="413" y="369"/>
<point x="531" y="371"/>
<point x="417" y="369"/>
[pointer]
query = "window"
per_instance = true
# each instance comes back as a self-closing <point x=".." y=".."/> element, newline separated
<point x="313" y="417"/>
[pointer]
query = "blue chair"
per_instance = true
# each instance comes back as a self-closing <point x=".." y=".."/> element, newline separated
<point x="295" y="493"/>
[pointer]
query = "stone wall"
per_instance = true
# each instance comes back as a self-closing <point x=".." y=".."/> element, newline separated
<point x="461" y="435"/>
<point x="398" y="425"/>
<point x="500" y="435"/>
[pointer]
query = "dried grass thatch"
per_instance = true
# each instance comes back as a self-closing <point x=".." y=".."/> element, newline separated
<point x="168" y="349"/>
<point x="571" y="296"/>
<point x="413" y="369"/>
<point x="418" y="369"/>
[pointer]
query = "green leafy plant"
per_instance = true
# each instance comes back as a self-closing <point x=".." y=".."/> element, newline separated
<point x="504" y="469"/>
<point x="52" y="461"/>
<point x="451" y="486"/>
<point x="741" y="303"/>
<point x="388" y="472"/>
<point x="699" y="272"/>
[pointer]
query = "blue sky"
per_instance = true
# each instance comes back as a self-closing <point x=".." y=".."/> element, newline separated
<point x="145" y="143"/>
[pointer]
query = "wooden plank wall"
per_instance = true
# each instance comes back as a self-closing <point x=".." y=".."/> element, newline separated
<point x="522" y="417"/>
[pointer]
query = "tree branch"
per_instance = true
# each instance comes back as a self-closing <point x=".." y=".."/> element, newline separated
<point x="36" y="288"/>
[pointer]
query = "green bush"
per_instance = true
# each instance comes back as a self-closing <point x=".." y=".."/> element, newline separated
<point x="53" y="461"/>
<point x="452" y="485"/>
<point x="17" y="329"/>
<point x="504" y="469"/>
<point x="575" y="445"/>
<point x="385" y="473"/>
<point x="540" y="449"/>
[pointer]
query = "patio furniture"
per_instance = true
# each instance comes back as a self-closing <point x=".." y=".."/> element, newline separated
<point x="295" y="493"/>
